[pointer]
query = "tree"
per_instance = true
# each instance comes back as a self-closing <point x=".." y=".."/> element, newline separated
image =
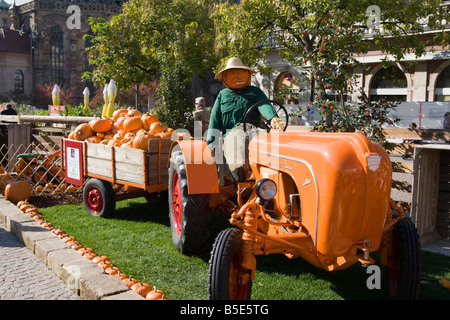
<point x="149" y="38"/>
<point x="327" y="36"/>
<point x="129" y="47"/>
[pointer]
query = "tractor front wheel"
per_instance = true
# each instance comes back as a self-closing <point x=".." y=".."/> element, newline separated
<point x="189" y="214"/>
<point x="98" y="198"/>
<point x="403" y="270"/>
<point x="225" y="268"/>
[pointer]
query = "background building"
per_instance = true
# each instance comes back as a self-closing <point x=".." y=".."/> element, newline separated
<point x="56" y="53"/>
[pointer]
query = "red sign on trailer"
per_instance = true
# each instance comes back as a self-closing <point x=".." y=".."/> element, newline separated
<point x="73" y="161"/>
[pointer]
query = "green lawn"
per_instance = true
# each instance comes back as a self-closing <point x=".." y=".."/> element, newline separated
<point x="138" y="240"/>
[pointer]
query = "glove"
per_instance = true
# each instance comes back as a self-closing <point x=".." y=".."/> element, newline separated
<point x="277" y="123"/>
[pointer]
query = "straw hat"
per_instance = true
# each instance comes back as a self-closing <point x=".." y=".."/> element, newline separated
<point x="233" y="63"/>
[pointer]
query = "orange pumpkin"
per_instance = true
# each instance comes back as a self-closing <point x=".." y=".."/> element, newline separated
<point x="4" y="177"/>
<point x="17" y="190"/>
<point x="117" y="113"/>
<point x="93" y="139"/>
<point x="114" y="143"/>
<point x="155" y="294"/>
<point x="164" y="135"/>
<point x="83" y="131"/>
<point x="130" y="281"/>
<point x="147" y="119"/>
<point x="119" y="121"/>
<point x="157" y="127"/>
<point x="141" y="288"/>
<point x="141" y="140"/>
<point x="100" y="124"/>
<point x="134" y="113"/>
<point x="132" y="123"/>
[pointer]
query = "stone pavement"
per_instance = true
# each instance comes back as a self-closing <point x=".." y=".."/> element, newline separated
<point x="24" y="277"/>
<point x="35" y="264"/>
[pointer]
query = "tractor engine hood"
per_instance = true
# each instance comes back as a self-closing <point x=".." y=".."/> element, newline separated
<point x="343" y="181"/>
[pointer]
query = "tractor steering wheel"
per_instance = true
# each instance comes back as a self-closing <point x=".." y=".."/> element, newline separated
<point x="266" y="123"/>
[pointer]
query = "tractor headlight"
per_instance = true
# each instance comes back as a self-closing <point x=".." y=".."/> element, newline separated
<point x="266" y="189"/>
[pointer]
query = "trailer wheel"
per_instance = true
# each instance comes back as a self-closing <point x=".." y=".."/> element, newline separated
<point x="225" y="268"/>
<point x="189" y="214"/>
<point x="403" y="270"/>
<point x="98" y="198"/>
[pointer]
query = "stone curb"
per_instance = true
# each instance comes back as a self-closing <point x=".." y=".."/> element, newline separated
<point x="81" y="275"/>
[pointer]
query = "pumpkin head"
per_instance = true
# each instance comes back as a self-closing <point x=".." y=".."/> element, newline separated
<point x="141" y="140"/>
<point x="131" y="123"/>
<point x="147" y="119"/>
<point x="83" y="131"/>
<point x="17" y="190"/>
<point x="100" y="124"/>
<point x="236" y="78"/>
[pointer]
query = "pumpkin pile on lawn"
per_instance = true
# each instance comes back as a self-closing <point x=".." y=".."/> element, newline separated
<point x="128" y="128"/>
<point x="142" y="288"/>
<point x="13" y="190"/>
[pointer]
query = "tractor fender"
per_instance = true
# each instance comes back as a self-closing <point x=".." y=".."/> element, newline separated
<point x="201" y="170"/>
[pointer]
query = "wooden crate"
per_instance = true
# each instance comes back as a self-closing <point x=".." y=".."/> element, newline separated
<point x="426" y="190"/>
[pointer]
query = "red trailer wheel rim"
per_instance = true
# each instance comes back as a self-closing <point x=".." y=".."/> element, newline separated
<point x="177" y="211"/>
<point x="238" y="291"/>
<point x="95" y="200"/>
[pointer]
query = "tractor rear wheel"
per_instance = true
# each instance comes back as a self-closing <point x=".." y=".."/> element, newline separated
<point x="225" y="268"/>
<point x="98" y="198"/>
<point x="189" y="214"/>
<point x="403" y="270"/>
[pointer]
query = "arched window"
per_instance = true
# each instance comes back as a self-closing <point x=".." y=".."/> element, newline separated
<point x="18" y="81"/>
<point x="57" y="55"/>
<point x="390" y="84"/>
<point x="443" y="86"/>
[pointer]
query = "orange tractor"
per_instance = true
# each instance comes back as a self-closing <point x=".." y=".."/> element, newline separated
<point x="324" y="197"/>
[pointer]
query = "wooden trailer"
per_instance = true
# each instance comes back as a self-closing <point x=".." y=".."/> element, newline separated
<point x="102" y="170"/>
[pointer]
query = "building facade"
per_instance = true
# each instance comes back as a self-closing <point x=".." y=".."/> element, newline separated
<point x="56" y="48"/>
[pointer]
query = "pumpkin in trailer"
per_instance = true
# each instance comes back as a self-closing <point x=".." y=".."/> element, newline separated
<point x="94" y="139"/>
<point x="83" y="131"/>
<point x="157" y="127"/>
<point x="155" y="294"/>
<point x="120" y="120"/>
<point x="141" y="140"/>
<point x="147" y="120"/>
<point x="141" y="288"/>
<point x="17" y="190"/>
<point x="134" y="113"/>
<point x="117" y="113"/>
<point x="131" y="123"/>
<point x="100" y="125"/>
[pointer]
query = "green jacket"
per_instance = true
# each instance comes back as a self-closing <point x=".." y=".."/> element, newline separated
<point x="231" y="106"/>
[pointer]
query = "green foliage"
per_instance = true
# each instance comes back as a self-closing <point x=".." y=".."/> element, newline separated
<point x="327" y="36"/>
<point x="129" y="47"/>
<point x="175" y="101"/>
<point x="367" y="117"/>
